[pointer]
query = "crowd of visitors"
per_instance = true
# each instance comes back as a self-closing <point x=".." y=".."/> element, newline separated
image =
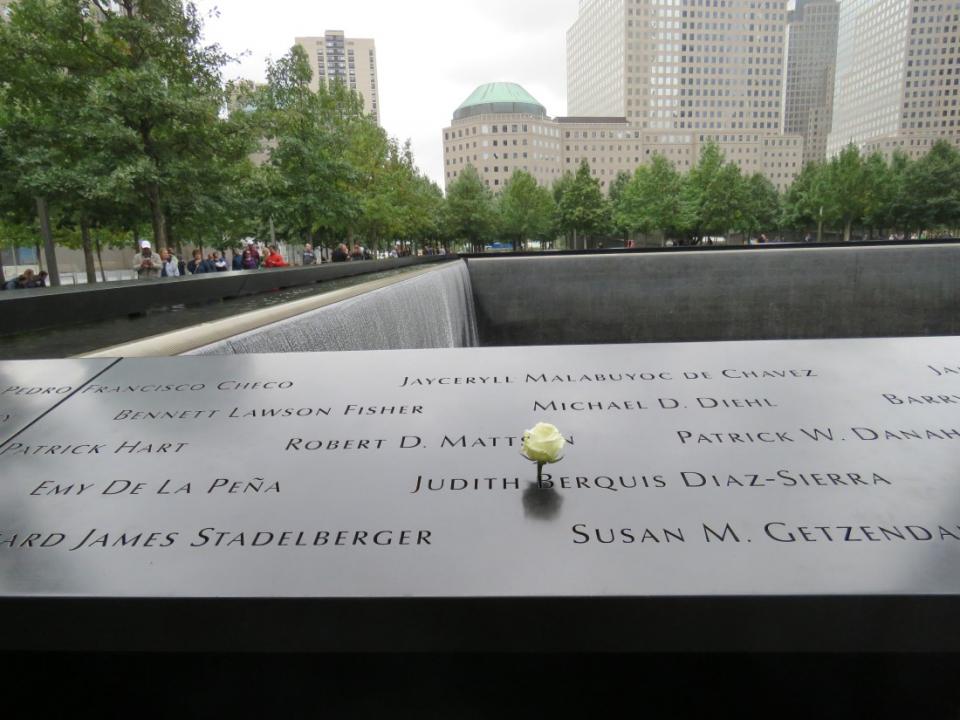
<point x="149" y="264"/>
<point x="27" y="281"/>
<point x="251" y="256"/>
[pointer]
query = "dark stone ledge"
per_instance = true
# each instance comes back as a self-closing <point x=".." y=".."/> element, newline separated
<point x="28" y="310"/>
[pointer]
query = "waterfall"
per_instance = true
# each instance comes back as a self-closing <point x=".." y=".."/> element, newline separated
<point x="432" y="310"/>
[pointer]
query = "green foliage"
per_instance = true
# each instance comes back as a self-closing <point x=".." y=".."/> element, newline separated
<point x="713" y="196"/>
<point x="582" y="209"/>
<point x="807" y="200"/>
<point x="878" y="195"/>
<point x="312" y="183"/>
<point x="332" y="172"/>
<point x="615" y="194"/>
<point x="651" y="200"/>
<point x="112" y="112"/>
<point x="933" y="184"/>
<point x="760" y="209"/>
<point x="469" y="213"/>
<point x="848" y="189"/>
<point x="526" y="209"/>
<point x="880" y="185"/>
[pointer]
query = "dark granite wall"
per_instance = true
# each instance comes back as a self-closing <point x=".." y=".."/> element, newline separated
<point x="776" y="293"/>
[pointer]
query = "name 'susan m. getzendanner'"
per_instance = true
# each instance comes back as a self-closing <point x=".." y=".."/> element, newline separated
<point x="776" y="531"/>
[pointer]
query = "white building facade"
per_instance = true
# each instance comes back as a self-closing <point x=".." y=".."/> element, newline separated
<point x="897" y="76"/>
<point x="351" y="61"/>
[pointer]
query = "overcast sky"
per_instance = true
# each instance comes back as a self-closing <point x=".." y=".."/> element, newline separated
<point x="431" y="54"/>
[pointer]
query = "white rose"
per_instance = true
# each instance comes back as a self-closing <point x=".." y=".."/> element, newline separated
<point x="543" y="444"/>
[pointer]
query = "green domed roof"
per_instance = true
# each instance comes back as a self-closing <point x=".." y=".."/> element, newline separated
<point x="499" y="97"/>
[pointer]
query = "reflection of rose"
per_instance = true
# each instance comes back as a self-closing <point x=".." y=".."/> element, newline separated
<point x="543" y="444"/>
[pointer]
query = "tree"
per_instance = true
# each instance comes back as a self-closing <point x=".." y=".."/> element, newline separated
<point x="114" y="103"/>
<point x="903" y="206"/>
<point x="44" y="84"/>
<point x="582" y="209"/>
<point x="425" y="209"/>
<point x="848" y="189"/>
<point x="651" y="200"/>
<point x="713" y="196"/>
<point x="162" y="85"/>
<point x="760" y="206"/>
<point x="526" y="209"/>
<point x="322" y="150"/>
<point x="880" y="193"/>
<point x="615" y="194"/>
<point x="469" y="211"/>
<point x="808" y="200"/>
<point x="932" y="182"/>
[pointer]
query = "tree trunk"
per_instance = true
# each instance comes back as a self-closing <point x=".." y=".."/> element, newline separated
<point x="156" y="217"/>
<point x="820" y="231"/>
<point x="173" y="240"/>
<point x="88" y="261"/>
<point x="103" y="274"/>
<point x="43" y="214"/>
<point x="847" y="226"/>
<point x="2" y="278"/>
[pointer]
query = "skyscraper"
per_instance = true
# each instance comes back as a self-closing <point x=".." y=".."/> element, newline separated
<point x="352" y="61"/>
<point x="808" y="83"/>
<point x="897" y="75"/>
<point x="596" y="60"/>
<point x="686" y="72"/>
<point x="679" y="64"/>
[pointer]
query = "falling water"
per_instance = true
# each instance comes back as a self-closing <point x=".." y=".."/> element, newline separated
<point x="433" y="310"/>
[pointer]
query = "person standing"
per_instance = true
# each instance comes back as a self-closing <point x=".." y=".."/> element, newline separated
<point x="248" y="260"/>
<point x="169" y="267"/>
<point x="199" y="266"/>
<point x="147" y="263"/>
<point x="274" y="259"/>
<point x="254" y="253"/>
<point x="309" y="257"/>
